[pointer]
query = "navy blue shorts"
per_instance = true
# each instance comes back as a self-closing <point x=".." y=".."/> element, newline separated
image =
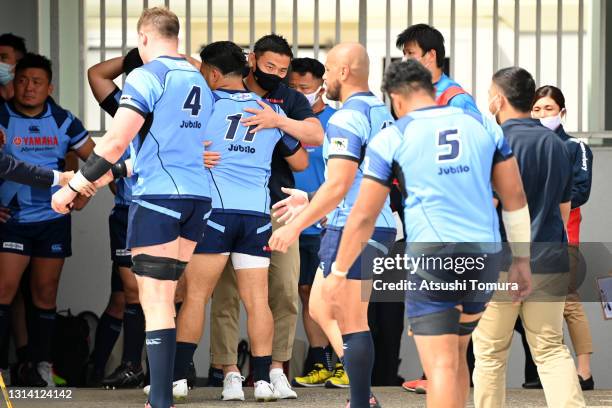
<point x="310" y="244"/>
<point x="379" y="245"/>
<point x="430" y="299"/>
<point x="158" y="221"/>
<point x="236" y="232"/>
<point x="45" y="239"/>
<point x="117" y="227"/>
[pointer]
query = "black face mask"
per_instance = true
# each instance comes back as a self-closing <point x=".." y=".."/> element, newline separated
<point x="269" y="82"/>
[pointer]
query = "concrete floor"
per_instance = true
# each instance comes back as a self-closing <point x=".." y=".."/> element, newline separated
<point x="390" y="397"/>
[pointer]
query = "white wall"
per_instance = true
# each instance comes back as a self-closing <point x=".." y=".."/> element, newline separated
<point x="85" y="283"/>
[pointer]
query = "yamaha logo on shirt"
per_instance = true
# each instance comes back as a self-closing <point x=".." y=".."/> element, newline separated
<point x="35" y="143"/>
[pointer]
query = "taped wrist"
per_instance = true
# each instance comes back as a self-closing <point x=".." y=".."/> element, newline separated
<point x="95" y="167"/>
<point x="119" y="169"/>
<point x="518" y="231"/>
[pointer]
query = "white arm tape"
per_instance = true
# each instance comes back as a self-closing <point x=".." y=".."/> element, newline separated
<point x="79" y="182"/>
<point x="56" y="178"/>
<point x="129" y="166"/>
<point x="518" y="231"/>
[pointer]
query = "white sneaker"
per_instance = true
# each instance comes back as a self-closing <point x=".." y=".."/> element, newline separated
<point x="232" y="387"/>
<point x="45" y="370"/>
<point x="180" y="390"/>
<point x="264" y="392"/>
<point x="281" y="386"/>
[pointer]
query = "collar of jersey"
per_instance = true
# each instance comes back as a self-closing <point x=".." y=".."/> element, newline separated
<point x="443" y="77"/>
<point x="14" y="110"/>
<point x="366" y="93"/>
<point x="430" y="108"/>
<point x="173" y="58"/>
<point x="232" y="91"/>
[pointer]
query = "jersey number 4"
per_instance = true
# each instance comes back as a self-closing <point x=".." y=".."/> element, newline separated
<point x="192" y="103"/>
<point x="234" y="121"/>
<point x="449" y="145"/>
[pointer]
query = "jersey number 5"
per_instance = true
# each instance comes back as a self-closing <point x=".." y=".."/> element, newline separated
<point x="234" y="121"/>
<point x="449" y="145"/>
<point x="192" y="103"/>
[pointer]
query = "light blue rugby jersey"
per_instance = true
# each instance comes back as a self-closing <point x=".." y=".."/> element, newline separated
<point x="240" y="180"/>
<point x="349" y="131"/>
<point x="443" y="158"/>
<point x="42" y="140"/>
<point x="168" y="159"/>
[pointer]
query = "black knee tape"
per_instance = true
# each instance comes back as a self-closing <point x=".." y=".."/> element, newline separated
<point x="180" y="268"/>
<point x="436" y="324"/>
<point x="466" y="328"/>
<point x="156" y="267"/>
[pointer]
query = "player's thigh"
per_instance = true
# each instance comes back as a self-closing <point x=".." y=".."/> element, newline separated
<point x="185" y="249"/>
<point x="318" y="307"/>
<point x="165" y="250"/>
<point x="155" y="291"/>
<point x="438" y="352"/>
<point x="12" y="267"/>
<point x="44" y="279"/>
<point x="252" y="278"/>
<point x="350" y="307"/>
<point x="203" y="273"/>
<point x="130" y="286"/>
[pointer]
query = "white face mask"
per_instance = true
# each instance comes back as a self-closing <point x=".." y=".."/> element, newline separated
<point x="6" y="73"/>
<point x="551" y="122"/>
<point x="313" y="97"/>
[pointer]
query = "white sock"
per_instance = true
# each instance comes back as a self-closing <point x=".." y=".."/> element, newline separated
<point x="275" y="372"/>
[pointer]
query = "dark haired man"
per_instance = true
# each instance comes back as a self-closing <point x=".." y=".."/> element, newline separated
<point x="307" y="77"/>
<point x="238" y="226"/>
<point x="268" y="67"/>
<point x="426" y="44"/>
<point x="417" y="149"/>
<point x="12" y="49"/>
<point x="40" y="132"/>
<point x="546" y="172"/>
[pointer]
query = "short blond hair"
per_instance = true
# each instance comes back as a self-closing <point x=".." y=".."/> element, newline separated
<point x="162" y="20"/>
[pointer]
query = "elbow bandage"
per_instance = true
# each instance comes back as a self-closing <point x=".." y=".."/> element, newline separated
<point x="518" y="231"/>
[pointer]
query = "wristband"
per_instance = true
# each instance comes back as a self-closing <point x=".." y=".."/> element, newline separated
<point x="119" y="170"/>
<point x="336" y="272"/>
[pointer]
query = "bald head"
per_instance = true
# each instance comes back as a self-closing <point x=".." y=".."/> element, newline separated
<point x="347" y="65"/>
<point x="355" y="57"/>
